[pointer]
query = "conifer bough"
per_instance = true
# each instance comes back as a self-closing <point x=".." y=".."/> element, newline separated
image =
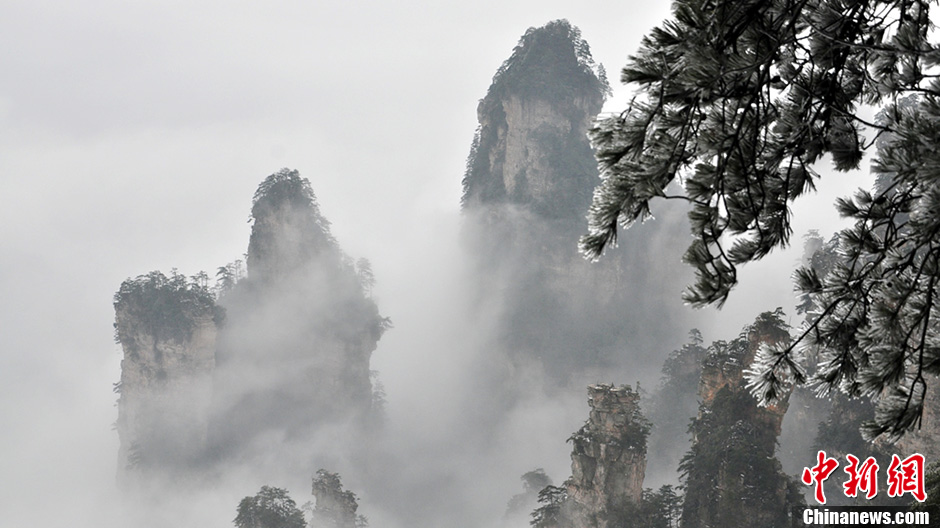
<point x="737" y="102"/>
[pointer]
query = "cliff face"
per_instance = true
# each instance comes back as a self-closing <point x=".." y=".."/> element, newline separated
<point x="731" y="475"/>
<point x="529" y="181"/>
<point x="289" y="236"/>
<point x="531" y="147"/>
<point x="724" y="368"/>
<point x="529" y="136"/>
<point x="167" y="328"/>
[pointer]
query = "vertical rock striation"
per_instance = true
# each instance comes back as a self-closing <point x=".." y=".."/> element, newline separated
<point x="608" y="458"/>
<point x="608" y="463"/>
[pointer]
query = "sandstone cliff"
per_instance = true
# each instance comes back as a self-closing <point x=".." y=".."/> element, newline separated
<point x="529" y="181"/>
<point x="731" y="475"/>
<point x="293" y="354"/>
<point x="608" y="458"/>
<point x="608" y="463"/>
<point x="531" y="147"/>
<point x="167" y="328"/>
<point x="300" y="328"/>
<point x="335" y="507"/>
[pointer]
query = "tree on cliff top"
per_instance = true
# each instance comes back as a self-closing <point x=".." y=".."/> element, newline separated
<point x="289" y="231"/>
<point x="336" y="507"/>
<point x="269" y="508"/>
<point x="551" y="62"/>
<point x="738" y="101"/>
<point x="169" y="307"/>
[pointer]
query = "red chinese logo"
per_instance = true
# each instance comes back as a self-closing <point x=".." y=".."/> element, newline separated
<point x="907" y="476"/>
<point x="864" y="478"/>
<point x="819" y="473"/>
<point x="904" y="476"/>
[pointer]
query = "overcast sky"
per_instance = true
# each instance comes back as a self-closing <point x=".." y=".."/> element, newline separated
<point x="133" y="135"/>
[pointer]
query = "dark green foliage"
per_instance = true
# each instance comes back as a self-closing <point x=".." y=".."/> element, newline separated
<point x="819" y="259"/>
<point x="200" y="280"/>
<point x="772" y="372"/>
<point x="568" y="155"/>
<point x="741" y="98"/>
<point x="660" y="509"/>
<point x="638" y="434"/>
<point x="549" y="514"/>
<point x="839" y="433"/>
<point x="739" y="101"/>
<point x="632" y="436"/>
<point x="479" y="184"/>
<point x="683" y="367"/>
<point x="734" y="443"/>
<point x="657" y="509"/>
<point x="552" y="62"/>
<point x="876" y="327"/>
<point x="532" y="483"/>
<point x="289" y="229"/>
<point x="169" y="307"/>
<point x="771" y="326"/>
<point x="675" y="403"/>
<point x="287" y="187"/>
<point x="931" y="488"/>
<point x="734" y="456"/>
<point x="226" y="277"/>
<point x="270" y="508"/>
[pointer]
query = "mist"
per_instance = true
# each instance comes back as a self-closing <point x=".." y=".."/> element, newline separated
<point x="132" y="139"/>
